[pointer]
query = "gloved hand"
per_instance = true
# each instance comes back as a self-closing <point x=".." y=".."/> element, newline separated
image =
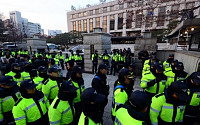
<point x="18" y="75"/>
<point x="151" y="83"/>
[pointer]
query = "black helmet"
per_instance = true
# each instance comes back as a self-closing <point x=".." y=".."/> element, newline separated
<point x="157" y="66"/>
<point x="195" y="77"/>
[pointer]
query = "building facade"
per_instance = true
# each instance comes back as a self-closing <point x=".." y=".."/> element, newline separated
<point x="54" y="32"/>
<point x="23" y="25"/>
<point x="129" y="17"/>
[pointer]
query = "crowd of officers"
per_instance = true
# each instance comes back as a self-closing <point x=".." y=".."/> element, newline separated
<point x="34" y="91"/>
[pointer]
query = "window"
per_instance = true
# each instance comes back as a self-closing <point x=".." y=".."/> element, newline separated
<point x="84" y="13"/>
<point x="112" y="8"/>
<point x="138" y="23"/>
<point x="149" y="18"/>
<point x="129" y="20"/>
<point x="195" y="42"/>
<point x="189" y="5"/>
<point x="85" y="25"/>
<point x="120" y="21"/>
<point x="91" y="25"/>
<point x="97" y="11"/>
<point x="105" y="9"/>
<point x="174" y="12"/>
<point x="79" y="26"/>
<point x="74" y="26"/>
<point x="79" y="15"/>
<point x="91" y="12"/>
<point x="98" y="22"/>
<point x="121" y="6"/>
<point x="112" y="22"/>
<point x="161" y="16"/>
<point x="105" y="24"/>
<point x="129" y="5"/>
<point x="73" y="16"/>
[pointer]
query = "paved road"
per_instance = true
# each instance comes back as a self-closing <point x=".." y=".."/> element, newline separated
<point x="111" y="80"/>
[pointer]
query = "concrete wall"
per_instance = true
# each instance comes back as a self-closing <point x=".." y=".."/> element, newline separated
<point x="36" y="44"/>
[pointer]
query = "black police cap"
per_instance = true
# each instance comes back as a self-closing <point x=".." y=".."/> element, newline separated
<point x="28" y="84"/>
<point x="7" y="80"/>
<point x="195" y="76"/>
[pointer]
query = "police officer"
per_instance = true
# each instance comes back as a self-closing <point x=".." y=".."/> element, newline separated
<point x="32" y="107"/>
<point x="41" y="78"/>
<point x="121" y="59"/>
<point x="9" y="94"/>
<point x="168" y="108"/>
<point x="92" y="102"/>
<point x="105" y="57"/>
<point x="135" y="111"/>
<point x="95" y="57"/>
<point x="167" y="63"/>
<point x="52" y="84"/>
<point x="114" y="62"/>
<point x="192" y="108"/>
<point x="78" y="82"/>
<point x="61" y="59"/>
<point x="62" y="110"/>
<point x="15" y="73"/>
<point x="27" y="69"/>
<point x="72" y="56"/>
<point x="122" y="90"/>
<point x="79" y="59"/>
<point x="154" y="82"/>
<point x="99" y="83"/>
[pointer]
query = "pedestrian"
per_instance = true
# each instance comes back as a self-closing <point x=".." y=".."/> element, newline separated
<point x="92" y="102"/>
<point x="62" y="109"/>
<point x="192" y="107"/>
<point x="134" y="113"/>
<point x="154" y="82"/>
<point x="9" y="94"/>
<point x="168" y="108"/>
<point x="32" y="107"/>
<point x="52" y="84"/>
<point x="122" y="90"/>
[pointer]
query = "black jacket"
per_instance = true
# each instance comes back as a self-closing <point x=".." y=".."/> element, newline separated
<point x="100" y="84"/>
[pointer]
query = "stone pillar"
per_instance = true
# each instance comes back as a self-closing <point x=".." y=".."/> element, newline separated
<point x="100" y="41"/>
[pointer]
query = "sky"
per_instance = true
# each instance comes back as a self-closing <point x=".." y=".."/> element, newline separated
<point x="51" y="14"/>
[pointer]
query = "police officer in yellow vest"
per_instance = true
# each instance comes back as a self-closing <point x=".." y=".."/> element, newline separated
<point x="92" y="102"/>
<point x="78" y="82"/>
<point x="105" y="56"/>
<point x="32" y="107"/>
<point x="122" y="90"/>
<point x="27" y="69"/>
<point x="192" y="112"/>
<point x="134" y="113"/>
<point x="61" y="59"/>
<point x="154" y="82"/>
<point x="78" y="59"/>
<point x="168" y="108"/>
<point x="51" y="86"/>
<point x="95" y="57"/>
<point x="9" y="94"/>
<point x="167" y="63"/>
<point x="41" y="78"/>
<point x="176" y="74"/>
<point x="62" y="109"/>
<point x="15" y="73"/>
<point x="114" y="62"/>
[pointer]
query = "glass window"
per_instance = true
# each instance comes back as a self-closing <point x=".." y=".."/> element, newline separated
<point x="161" y="16"/>
<point x="105" y="9"/>
<point x="195" y="42"/>
<point x="189" y="5"/>
<point x="79" y="15"/>
<point x="91" y="12"/>
<point x="85" y="25"/>
<point x="98" y="22"/>
<point x="105" y="24"/>
<point x="129" y="20"/>
<point x="79" y="26"/>
<point x="175" y="12"/>
<point x="120" y="21"/>
<point x="112" y="8"/>
<point x="74" y="26"/>
<point x="129" y="5"/>
<point x="84" y="13"/>
<point x="149" y="18"/>
<point x="91" y="25"/>
<point x="112" y="22"/>
<point x="73" y="16"/>
<point x="97" y="11"/>
<point x="121" y="6"/>
<point x="138" y="23"/>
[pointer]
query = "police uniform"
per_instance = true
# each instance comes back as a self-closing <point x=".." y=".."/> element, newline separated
<point x="8" y="99"/>
<point x="95" y="57"/>
<point x="30" y="109"/>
